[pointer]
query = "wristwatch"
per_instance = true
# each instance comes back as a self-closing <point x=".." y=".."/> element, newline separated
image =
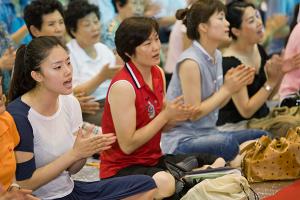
<point x="268" y="87"/>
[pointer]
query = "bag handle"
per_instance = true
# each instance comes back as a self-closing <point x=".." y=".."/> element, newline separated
<point x="256" y="197"/>
<point x="261" y="144"/>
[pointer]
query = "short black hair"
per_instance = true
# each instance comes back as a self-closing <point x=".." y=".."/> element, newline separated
<point x="132" y="32"/>
<point x="33" y="13"/>
<point x="120" y="2"/>
<point x="234" y="15"/>
<point x="77" y="10"/>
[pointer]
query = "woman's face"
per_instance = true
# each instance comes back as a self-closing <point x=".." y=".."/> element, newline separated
<point x="218" y="27"/>
<point x="252" y="27"/>
<point x="52" y="25"/>
<point x="2" y="98"/>
<point x="148" y="53"/>
<point x="56" y="72"/>
<point x="88" y="30"/>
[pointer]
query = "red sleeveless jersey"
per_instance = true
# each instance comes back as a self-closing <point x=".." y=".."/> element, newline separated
<point x="148" y="105"/>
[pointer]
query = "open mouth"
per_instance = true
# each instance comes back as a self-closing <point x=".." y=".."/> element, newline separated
<point x="96" y="36"/>
<point x="156" y="56"/>
<point x="68" y="83"/>
<point x="260" y="31"/>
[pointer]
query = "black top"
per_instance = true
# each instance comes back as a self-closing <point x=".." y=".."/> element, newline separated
<point x="229" y="113"/>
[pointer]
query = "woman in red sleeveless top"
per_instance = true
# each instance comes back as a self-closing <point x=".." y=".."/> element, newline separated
<point x="136" y="111"/>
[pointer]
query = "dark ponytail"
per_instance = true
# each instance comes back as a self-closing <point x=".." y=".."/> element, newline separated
<point x="199" y="12"/>
<point x="181" y="15"/>
<point x="28" y="59"/>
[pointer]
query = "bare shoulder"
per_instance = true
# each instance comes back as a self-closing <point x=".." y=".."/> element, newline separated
<point x="121" y="89"/>
<point x="189" y="65"/>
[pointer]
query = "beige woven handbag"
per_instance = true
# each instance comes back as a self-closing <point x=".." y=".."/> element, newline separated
<point x="277" y="159"/>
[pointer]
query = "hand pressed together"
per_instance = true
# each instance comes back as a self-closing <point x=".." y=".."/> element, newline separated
<point x="238" y="77"/>
<point x="17" y="194"/>
<point x="87" y="144"/>
<point x="273" y="70"/>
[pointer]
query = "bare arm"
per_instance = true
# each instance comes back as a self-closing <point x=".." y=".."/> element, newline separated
<point x="84" y="147"/>
<point x="91" y="85"/>
<point x="248" y="106"/>
<point x="88" y="104"/>
<point x="190" y="79"/>
<point x="47" y="173"/>
<point x="122" y="104"/>
<point x="76" y="166"/>
<point x="19" y="34"/>
<point x="166" y="21"/>
<point x="225" y="102"/>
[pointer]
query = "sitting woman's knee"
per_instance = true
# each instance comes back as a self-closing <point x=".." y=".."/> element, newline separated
<point x="165" y="183"/>
<point x="230" y="149"/>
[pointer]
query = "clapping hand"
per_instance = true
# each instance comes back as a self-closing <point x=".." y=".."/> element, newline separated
<point x="87" y="103"/>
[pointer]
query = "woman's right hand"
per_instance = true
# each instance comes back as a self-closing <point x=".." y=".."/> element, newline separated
<point x="88" y="144"/>
<point x="21" y="194"/>
<point x="109" y="72"/>
<point x="87" y="103"/>
<point x="238" y="77"/>
<point x="177" y="111"/>
<point x="273" y="70"/>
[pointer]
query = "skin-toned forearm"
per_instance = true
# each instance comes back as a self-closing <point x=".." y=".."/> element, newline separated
<point x="47" y="173"/>
<point x="77" y="166"/>
<point x="275" y="90"/>
<point x="91" y="85"/>
<point x="248" y="108"/>
<point x="225" y="102"/>
<point x="166" y="21"/>
<point x="213" y="102"/>
<point x="19" y="34"/>
<point x="144" y="134"/>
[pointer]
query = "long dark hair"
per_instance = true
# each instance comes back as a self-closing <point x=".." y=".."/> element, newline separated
<point x="28" y="59"/>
